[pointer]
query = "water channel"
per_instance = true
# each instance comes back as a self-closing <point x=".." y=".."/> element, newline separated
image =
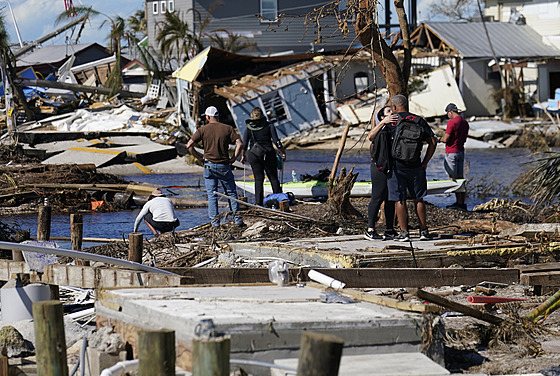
<point x="489" y="171"/>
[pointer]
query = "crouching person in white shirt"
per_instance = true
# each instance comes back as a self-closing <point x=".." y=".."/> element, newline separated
<point x="158" y="213"/>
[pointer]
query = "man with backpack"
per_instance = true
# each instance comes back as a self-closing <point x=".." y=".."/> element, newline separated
<point x="409" y="171"/>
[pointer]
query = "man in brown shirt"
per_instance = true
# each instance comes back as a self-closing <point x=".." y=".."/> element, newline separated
<point x="216" y="138"/>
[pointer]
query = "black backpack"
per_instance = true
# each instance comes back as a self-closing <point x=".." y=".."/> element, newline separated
<point x="381" y="153"/>
<point x="407" y="143"/>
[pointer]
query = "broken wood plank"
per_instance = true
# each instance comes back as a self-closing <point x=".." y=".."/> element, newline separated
<point x="432" y="298"/>
<point x="384" y="301"/>
<point x="549" y="278"/>
<point x="90" y="277"/>
<point x="357" y="277"/>
<point x="534" y="268"/>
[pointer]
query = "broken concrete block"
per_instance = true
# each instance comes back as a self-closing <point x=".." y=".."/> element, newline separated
<point x="13" y="344"/>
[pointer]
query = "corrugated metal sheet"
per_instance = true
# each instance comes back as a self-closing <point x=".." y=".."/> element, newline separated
<point x="51" y="54"/>
<point x="508" y="40"/>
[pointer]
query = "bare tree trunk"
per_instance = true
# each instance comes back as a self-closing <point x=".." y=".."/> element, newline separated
<point x="368" y="34"/>
<point x="339" y="193"/>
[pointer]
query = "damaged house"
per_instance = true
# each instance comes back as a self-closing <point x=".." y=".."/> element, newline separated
<point x="525" y="61"/>
<point x="297" y="92"/>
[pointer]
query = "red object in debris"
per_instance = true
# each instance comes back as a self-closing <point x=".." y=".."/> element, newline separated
<point x="96" y="204"/>
<point x="491" y="299"/>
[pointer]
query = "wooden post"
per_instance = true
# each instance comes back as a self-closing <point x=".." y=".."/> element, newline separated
<point x="77" y="235"/>
<point x="156" y="353"/>
<point x="135" y="243"/>
<point x="3" y="365"/>
<point x="319" y="354"/>
<point x="44" y="223"/>
<point x="76" y="231"/>
<point x="339" y="152"/>
<point x="17" y="256"/>
<point x="50" y="343"/>
<point x="284" y="206"/>
<point x="210" y="356"/>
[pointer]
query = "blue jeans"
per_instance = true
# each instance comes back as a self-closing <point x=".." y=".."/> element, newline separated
<point x="215" y="173"/>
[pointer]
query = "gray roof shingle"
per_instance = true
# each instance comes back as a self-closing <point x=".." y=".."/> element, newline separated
<point x="508" y="40"/>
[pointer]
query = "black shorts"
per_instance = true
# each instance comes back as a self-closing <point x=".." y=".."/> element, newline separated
<point x="407" y="180"/>
<point x="161" y="226"/>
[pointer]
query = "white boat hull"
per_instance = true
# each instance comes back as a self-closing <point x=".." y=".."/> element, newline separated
<point x="361" y="189"/>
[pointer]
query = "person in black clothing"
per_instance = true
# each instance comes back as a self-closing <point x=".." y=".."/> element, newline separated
<point x="381" y="164"/>
<point x="408" y="178"/>
<point x="259" y="137"/>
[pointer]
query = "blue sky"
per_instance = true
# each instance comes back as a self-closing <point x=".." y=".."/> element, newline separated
<point x="35" y="18"/>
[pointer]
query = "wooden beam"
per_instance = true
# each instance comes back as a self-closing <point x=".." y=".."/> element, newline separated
<point x="549" y="278"/>
<point x="357" y="277"/>
<point x="436" y="299"/>
<point x="74" y="87"/>
<point x="251" y="87"/>
<point x="547" y="267"/>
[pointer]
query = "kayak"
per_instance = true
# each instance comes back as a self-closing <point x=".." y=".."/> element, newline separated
<point x="314" y="188"/>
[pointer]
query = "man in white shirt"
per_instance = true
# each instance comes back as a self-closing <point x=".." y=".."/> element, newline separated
<point x="158" y="213"/>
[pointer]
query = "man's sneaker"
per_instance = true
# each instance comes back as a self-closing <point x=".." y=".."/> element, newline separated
<point x="403" y="236"/>
<point x="389" y="234"/>
<point x="425" y="234"/>
<point x="372" y="235"/>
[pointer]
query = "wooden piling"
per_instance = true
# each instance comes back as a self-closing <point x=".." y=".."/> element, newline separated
<point x="77" y="235"/>
<point x="135" y="245"/>
<point x="76" y="231"/>
<point x="156" y="353"/>
<point x="17" y="256"/>
<point x="210" y="356"/>
<point x="319" y="354"/>
<point x="44" y="223"/>
<point x="50" y="343"/>
<point x="3" y="365"/>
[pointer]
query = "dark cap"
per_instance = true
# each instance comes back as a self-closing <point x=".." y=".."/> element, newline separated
<point x="451" y="107"/>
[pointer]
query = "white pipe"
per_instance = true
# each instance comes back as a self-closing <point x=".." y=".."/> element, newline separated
<point x="325" y="280"/>
<point x="120" y="368"/>
<point x="82" y="255"/>
<point x="78" y="315"/>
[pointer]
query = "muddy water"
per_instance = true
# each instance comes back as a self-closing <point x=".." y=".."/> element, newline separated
<point x="490" y="173"/>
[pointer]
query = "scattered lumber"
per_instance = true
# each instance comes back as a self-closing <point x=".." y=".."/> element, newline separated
<point x="432" y="298"/>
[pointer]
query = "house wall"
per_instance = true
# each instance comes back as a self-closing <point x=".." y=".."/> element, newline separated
<point x="299" y="103"/>
<point x="152" y="19"/>
<point x="238" y="17"/>
<point x="549" y="80"/>
<point x="542" y="15"/>
<point x="345" y="72"/>
<point x="477" y="88"/>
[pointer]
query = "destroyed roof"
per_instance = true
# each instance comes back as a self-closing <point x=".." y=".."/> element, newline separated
<point x="250" y="87"/>
<point x="469" y="39"/>
<point x="59" y="53"/>
<point x="222" y="66"/>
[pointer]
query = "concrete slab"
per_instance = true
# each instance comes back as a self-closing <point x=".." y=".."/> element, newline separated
<point x="264" y="322"/>
<point x="98" y="157"/>
<point x="401" y="364"/>
<point x="352" y="251"/>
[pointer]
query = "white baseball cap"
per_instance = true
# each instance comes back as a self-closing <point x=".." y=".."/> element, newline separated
<point x="211" y="111"/>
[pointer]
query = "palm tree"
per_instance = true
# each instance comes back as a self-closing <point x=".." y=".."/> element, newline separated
<point x="232" y="43"/>
<point x="174" y="36"/>
<point x="178" y="40"/>
<point x="77" y="11"/>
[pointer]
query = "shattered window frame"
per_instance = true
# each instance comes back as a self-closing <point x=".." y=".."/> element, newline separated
<point x="360" y="87"/>
<point x="275" y="107"/>
<point x="155" y="7"/>
<point x="269" y="8"/>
